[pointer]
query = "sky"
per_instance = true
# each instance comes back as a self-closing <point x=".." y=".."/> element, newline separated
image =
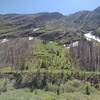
<point x="35" y="6"/>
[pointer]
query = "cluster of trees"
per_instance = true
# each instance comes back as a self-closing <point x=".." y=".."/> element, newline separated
<point x="51" y="55"/>
<point x="25" y="54"/>
<point x="21" y="53"/>
<point x="86" y="55"/>
<point x="16" y="53"/>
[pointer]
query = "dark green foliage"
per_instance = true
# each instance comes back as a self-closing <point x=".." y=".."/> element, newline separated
<point x="58" y="92"/>
<point x="87" y="90"/>
<point x="57" y="53"/>
<point x="43" y="65"/>
<point x="31" y="88"/>
<point x="18" y="78"/>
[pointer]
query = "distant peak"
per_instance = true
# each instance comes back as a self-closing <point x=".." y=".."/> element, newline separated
<point x="97" y="10"/>
<point x="45" y="13"/>
<point x="57" y="13"/>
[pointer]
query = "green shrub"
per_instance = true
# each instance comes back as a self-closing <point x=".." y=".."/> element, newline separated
<point x="52" y="87"/>
<point x="76" y="86"/>
<point x="88" y="89"/>
<point x="3" y="85"/>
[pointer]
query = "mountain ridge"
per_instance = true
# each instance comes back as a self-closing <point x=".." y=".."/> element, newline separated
<point x="51" y="26"/>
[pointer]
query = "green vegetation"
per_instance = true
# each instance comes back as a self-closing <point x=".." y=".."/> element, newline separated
<point x="48" y="75"/>
<point x="75" y="90"/>
<point x="43" y="69"/>
<point x="42" y="55"/>
<point x="3" y="86"/>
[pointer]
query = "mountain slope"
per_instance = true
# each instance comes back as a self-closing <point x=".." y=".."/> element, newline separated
<point x="19" y="24"/>
<point x="50" y="26"/>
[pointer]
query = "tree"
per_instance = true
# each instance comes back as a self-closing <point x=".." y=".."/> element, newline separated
<point x="87" y="90"/>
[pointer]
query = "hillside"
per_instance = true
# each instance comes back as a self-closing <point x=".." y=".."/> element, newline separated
<point x="50" y="26"/>
<point x="50" y="56"/>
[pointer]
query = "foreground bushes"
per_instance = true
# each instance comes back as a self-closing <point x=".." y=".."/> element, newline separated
<point x="25" y="94"/>
<point x="55" y="85"/>
<point x="40" y="79"/>
<point x="72" y="86"/>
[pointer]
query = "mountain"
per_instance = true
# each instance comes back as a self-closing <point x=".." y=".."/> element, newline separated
<point x="50" y="26"/>
<point x="23" y="24"/>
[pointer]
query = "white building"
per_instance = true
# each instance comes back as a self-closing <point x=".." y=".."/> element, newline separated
<point x="30" y="38"/>
<point x="89" y="36"/>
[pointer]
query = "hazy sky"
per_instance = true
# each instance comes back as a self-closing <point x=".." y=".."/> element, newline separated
<point x="33" y="6"/>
